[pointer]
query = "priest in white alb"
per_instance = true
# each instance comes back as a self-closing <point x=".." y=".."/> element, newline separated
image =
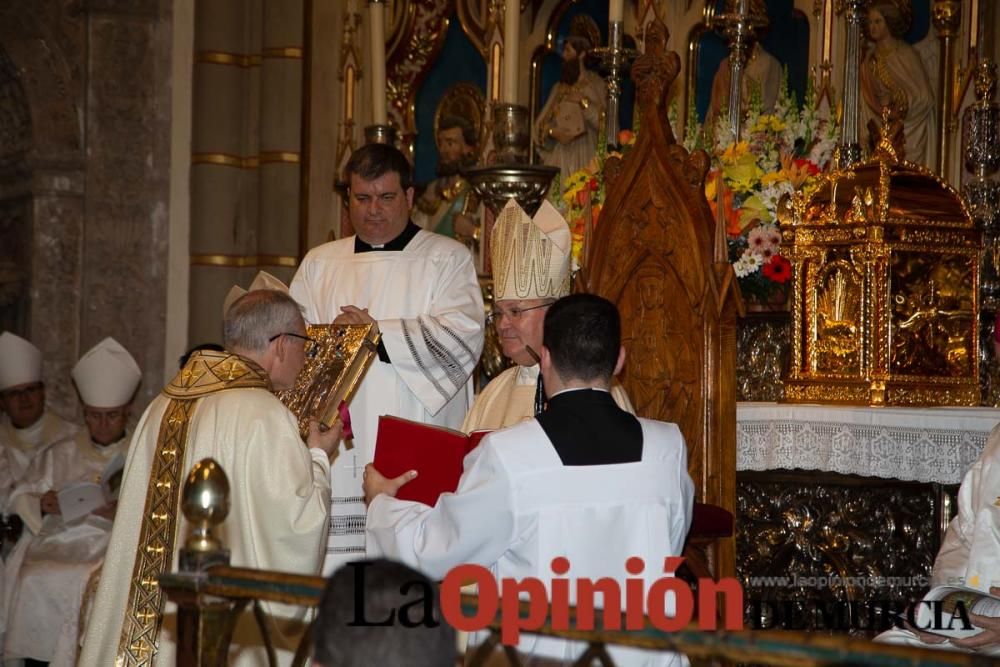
<point x="220" y="406"/>
<point x="531" y="269"/>
<point x="422" y="291"/>
<point x="63" y="546"/>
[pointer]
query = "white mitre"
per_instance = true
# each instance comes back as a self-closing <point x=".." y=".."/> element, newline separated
<point x="263" y="280"/>
<point x="20" y="361"/>
<point x="107" y="375"/>
<point x="531" y="256"/>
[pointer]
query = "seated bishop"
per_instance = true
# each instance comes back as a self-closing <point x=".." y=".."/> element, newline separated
<point x="62" y="546"/>
<point x="26" y="428"/>
<point x="531" y="269"/>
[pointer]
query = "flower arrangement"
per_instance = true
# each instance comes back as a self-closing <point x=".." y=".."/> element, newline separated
<point x="781" y="152"/>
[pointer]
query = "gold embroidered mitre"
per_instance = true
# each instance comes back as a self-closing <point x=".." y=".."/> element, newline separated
<point x="531" y="256"/>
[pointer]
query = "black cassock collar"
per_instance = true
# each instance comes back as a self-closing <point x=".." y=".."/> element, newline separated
<point x="397" y="243"/>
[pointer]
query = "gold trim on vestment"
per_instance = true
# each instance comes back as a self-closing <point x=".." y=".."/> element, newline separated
<point x="244" y="260"/>
<point x="294" y="52"/>
<point x="205" y="373"/>
<point x="223" y="58"/>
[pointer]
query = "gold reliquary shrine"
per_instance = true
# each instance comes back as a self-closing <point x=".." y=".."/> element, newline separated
<point x="886" y="277"/>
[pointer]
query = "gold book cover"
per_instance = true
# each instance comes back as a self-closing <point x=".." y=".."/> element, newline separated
<point x="336" y="359"/>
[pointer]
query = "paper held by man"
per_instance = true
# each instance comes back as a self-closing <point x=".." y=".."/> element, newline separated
<point x="82" y="498"/>
<point x="337" y="357"/>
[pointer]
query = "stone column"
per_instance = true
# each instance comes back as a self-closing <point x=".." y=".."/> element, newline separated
<point x="224" y="160"/>
<point x="281" y="141"/>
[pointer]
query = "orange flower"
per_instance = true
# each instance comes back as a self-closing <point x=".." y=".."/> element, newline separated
<point x="582" y="197"/>
<point x="733" y="227"/>
<point x="625" y="137"/>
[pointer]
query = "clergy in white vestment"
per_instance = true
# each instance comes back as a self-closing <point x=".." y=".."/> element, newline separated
<point x="422" y="290"/>
<point x="26" y="428"/>
<point x="969" y="555"/>
<point x="221" y="405"/>
<point x="531" y="269"/>
<point x="584" y="480"/>
<point x="48" y="572"/>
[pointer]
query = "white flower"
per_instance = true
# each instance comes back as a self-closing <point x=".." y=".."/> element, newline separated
<point x="748" y="263"/>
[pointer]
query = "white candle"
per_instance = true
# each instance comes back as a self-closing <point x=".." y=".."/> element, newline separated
<point x="827" y="30"/>
<point x="376" y="19"/>
<point x="616" y="11"/>
<point x="511" y="28"/>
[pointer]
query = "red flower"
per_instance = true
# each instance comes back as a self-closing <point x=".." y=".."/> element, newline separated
<point x="806" y="165"/>
<point x="778" y="270"/>
<point x="592" y="184"/>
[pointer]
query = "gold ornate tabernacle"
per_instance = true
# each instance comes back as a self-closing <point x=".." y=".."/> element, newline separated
<point x="886" y="266"/>
<point x="336" y="360"/>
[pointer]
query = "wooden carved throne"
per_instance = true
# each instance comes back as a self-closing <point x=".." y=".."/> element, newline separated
<point x="655" y="253"/>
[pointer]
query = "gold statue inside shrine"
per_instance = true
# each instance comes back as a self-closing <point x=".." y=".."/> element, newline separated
<point x="886" y="265"/>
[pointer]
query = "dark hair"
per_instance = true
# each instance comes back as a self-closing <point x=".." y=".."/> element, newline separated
<point x="583" y="334"/>
<point x="468" y="131"/>
<point x="213" y="347"/>
<point x="372" y="161"/>
<point x="580" y="44"/>
<point x="420" y="642"/>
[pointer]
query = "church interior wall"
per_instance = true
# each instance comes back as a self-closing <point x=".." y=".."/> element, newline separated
<point x="96" y="78"/>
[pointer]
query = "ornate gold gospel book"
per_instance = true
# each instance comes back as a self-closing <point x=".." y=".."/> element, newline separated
<point x="336" y="359"/>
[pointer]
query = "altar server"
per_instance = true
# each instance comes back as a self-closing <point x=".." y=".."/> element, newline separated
<point x="585" y="480"/>
<point x="422" y="291"/>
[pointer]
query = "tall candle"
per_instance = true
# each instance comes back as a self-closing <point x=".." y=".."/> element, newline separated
<point x="376" y="16"/>
<point x="974" y="28"/>
<point x="616" y="11"/>
<point x="511" y="28"/>
<point x="827" y="30"/>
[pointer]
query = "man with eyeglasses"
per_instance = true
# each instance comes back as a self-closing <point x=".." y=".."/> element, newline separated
<point x="422" y="290"/>
<point x="26" y="427"/>
<point x="220" y="406"/>
<point x="531" y="269"/>
<point x="61" y="547"/>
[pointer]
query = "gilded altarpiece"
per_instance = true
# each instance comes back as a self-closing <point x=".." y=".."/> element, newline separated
<point x="885" y="312"/>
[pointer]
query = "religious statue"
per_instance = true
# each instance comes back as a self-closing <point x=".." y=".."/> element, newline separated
<point x="761" y="75"/>
<point x="449" y="206"/>
<point x="567" y="127"/>
<point x="893" y="75"/>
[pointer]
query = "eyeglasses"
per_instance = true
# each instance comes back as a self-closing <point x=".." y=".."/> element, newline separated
<point x="310" y="349"/>
<point x="293" y="335"/>
<point x="514" y="313"/>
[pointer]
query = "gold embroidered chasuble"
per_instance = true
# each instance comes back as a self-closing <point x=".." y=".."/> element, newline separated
<point x="205" y="373"/>
<point x="219" y="406"/>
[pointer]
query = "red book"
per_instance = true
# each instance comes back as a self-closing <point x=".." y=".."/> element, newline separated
<point x="435" y="452"/>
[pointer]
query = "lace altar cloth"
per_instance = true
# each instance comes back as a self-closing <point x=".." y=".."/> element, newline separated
<point x="911" y="444"/>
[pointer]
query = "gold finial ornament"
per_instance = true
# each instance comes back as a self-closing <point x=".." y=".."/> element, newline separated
<point x="205" y="504"/>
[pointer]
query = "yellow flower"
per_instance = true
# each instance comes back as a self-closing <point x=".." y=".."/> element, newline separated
<point x="768" y="123"/>
<point x="735" y="152"/>
<point x="743" y="176"/>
